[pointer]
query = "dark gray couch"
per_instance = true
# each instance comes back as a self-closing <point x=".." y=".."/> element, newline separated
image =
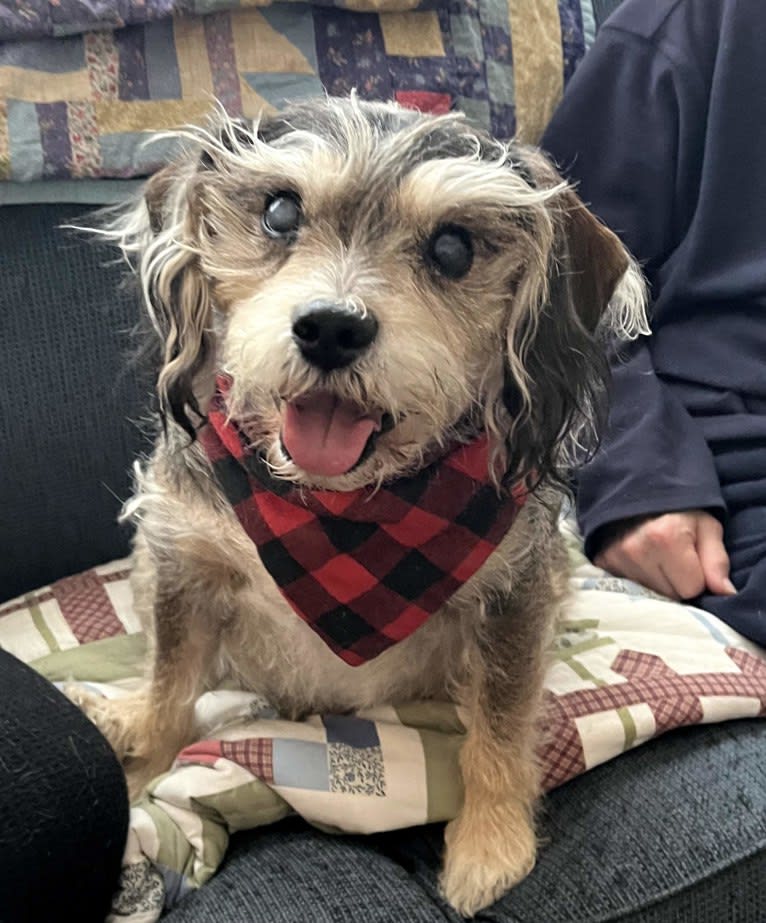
<point x="69" y="397"/>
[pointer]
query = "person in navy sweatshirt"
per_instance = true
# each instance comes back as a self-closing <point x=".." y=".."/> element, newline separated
<point x="663" y="128"/>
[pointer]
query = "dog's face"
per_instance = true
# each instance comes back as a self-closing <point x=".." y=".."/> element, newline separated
<point x="377" y="283"/>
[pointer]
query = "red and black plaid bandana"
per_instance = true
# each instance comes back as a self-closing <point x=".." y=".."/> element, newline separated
<point x="365" y="568"/>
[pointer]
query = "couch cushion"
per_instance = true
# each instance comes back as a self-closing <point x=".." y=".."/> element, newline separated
<point x="672" y="832"/>
<point x="293" y="874"/>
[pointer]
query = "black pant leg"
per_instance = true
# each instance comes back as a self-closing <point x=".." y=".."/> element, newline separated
<point x="63" y="805"/>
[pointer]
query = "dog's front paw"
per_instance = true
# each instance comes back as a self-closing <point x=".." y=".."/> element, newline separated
<point x="485" y="857"/>
<point x="115" y="718"/>
<point x="128" y="725"/>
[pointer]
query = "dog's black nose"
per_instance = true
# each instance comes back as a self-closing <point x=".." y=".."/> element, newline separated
<point x="331" y="336"/>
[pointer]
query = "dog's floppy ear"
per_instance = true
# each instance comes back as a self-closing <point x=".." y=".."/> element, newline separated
<point x="589" y="262"/>
<point x="582" y="289"/>
<point x="157" y="234"/>
<point x="162" y="233"/>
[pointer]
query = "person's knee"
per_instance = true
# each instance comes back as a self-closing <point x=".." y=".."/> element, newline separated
<point x="63" y="801"/>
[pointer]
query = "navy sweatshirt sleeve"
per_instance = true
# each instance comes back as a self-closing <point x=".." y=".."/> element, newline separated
<point x="627" y="134"/>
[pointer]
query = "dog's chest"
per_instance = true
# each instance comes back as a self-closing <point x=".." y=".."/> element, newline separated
<point x="272" y="648"/>
<point x="275" y="652"/>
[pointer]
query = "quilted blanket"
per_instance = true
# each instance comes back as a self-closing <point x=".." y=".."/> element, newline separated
<point x="88" y="86"/>
<point x="54" y="18"/>
<point x="627" y="665"/>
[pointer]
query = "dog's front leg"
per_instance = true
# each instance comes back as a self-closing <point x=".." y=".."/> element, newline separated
<point x="148" y="728"/>
<point x="491" y="844"/>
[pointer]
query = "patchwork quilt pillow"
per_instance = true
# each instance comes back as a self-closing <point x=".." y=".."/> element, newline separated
<point x="84" y="100"/>
<point x="627" y="665"/>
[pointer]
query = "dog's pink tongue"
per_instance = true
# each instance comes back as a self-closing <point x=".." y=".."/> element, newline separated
<point x="325" y="435"/>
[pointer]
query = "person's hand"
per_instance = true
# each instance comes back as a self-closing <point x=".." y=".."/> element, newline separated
<point x="680" y="555"/>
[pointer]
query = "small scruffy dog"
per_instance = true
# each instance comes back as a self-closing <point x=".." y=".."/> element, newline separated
<point x="381" y="342"/>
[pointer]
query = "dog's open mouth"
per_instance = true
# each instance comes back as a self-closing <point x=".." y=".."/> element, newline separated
<point x="327" y="435"/>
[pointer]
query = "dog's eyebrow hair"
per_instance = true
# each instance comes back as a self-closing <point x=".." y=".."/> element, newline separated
<point x="447" y="159"/>
<point x="438" y="185"/>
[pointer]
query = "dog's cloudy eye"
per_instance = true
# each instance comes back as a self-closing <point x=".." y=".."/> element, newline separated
<point x="450" y="251"/>
<point x="282" y="216"/>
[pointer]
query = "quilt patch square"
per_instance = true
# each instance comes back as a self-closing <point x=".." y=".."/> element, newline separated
<point x="300" y="764"/>
<point x="355" y="771"/>
<point x="351" y="730"/>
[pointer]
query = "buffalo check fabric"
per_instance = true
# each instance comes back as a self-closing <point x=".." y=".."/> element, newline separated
<point x="626" y="666"/>
<point x="365" y="568"/>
